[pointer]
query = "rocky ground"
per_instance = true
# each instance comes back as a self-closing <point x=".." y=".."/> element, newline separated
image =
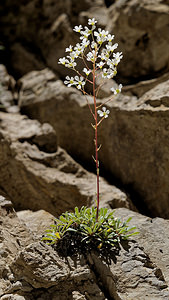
<point x="46" y="143"/>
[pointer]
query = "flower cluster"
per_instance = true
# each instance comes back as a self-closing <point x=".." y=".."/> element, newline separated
<point x="96" y="49"/>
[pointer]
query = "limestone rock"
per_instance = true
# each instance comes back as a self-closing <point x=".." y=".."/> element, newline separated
<point x="36" y="174"/>
<point x="36" y="221"/>
<point x="142" y="31"/>
<point x="23" y="60"/>
<point x="14" y="235"/>
<point x="30" y="270"/>
<point x="7" y="84"/>
<point x="30" y="48"/>
<point x="140" y="88"/>
<point x="134" y="138"/>
<point x="157" y="96"/>
<point x="131" y="275"/>
<point x="153" y="236"/>
<point x="40" y="272"/>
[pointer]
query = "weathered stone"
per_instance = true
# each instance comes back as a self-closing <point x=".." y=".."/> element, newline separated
<point x="37" y="221"/>
<point x="158" y="96"/>
<point x="35" y="271"/>
<point x="130" y="275"/>
<point x="12" y="297"/>
<point x="14" y="235"/>
<point x="134" y="137"/>
<point x="36" y="179"/>
<point x="32" y="131"/>
<point x="30" y="48"/>
<point x="142" y="31"/>
<point x="24" y="60"/>
<point x="7" y="84"/>
<point x="153" y="236"/>
<point x="97" y="10"/>
<point x="142" y="87"/>
<point x="39" y="271"/>
<point x="137" y="272"/>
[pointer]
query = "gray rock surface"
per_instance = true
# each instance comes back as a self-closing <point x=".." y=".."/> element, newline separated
<point x="37" y="32"/>
<point x="32" y="270"/>
<point x="153" y="236"/>
<point x="14" y="235"/>
<point x="36" y="174"/>
<point x="157" y="96"/>
<point x="134" y="138"/>
<point x="140" y="88"/>
<point x="141" y="28"/>
<point x="131" y="276"/>
<point x="139" y="271"/>
<point x="37" y="221"/>
<point x="7" y="84"/>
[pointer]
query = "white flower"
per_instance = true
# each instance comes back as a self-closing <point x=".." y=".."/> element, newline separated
<point x="112" y="67"/>
<point x="97" y="33"/>
<point x="91" y="56"/>
<point x="100" y="40"/>
<point x="85" y="35"/>
<point x="104" y="55"/>
<point x="111" y="73"/>
<point x="101" y="36"/>
<point x="117" y="57"/>
<point x="73" y="55"/>
<point x="104" y="74"/>
<point x="87" y="30"/>
<point x="110" y="63"/>
<point x="71" y="64"/>
<point x="100" y="64"/>
<point x="93" y="45"/>
<point x="69" y="49"/>
<point x="118" y="90"/>
<point x="63" y="61"/>
<point x="104" y="33"/>
<point x="85" y="43"/>
<point x="92" y="21"/>
<point x="70" y="81"/>
<point x="79" y="82"/>
<point x="78" y="28"/>
<point x="79" y="48"/>
<point x="86" y="71"/>
<point x="110" y="37"/>
<point x="101" y="33"/>
<point x="108" y="73"/>
<point x="111" y="48"/>
<point x="103" y="113"/>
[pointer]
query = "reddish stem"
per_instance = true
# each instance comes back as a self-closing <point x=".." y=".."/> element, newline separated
<point x="96" y="143"/>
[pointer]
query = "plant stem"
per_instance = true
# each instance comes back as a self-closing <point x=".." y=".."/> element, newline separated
<point x="96" y="142"/>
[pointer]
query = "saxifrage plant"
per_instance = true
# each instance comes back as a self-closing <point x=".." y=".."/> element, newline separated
<point x="96" y="52"/>
<point x="91" y="226"/>
<point x="80" y="230"/>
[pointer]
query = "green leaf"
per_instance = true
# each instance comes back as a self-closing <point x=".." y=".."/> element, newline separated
<point x="131" y="228"/>
<point x="129" y="219"/>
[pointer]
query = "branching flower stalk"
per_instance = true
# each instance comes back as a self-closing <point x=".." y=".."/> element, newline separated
<point x="96" y="50"/>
